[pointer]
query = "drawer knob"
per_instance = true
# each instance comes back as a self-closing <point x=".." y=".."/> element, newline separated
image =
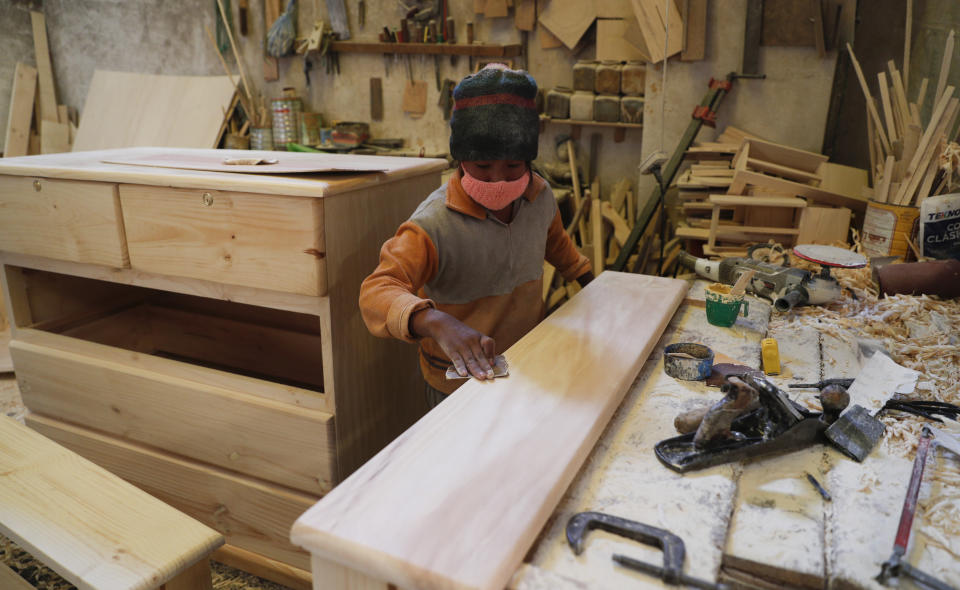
<point x="207" y="199"/>
<point x="36" y="184"/>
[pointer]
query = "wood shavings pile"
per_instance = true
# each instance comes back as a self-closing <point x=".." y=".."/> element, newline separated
<point x="918" y="332"/>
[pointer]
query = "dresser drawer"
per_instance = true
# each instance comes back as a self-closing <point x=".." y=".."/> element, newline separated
<point x="215" y="390"/>
<point x="265" y="241"/>
<point x="63" y="219"/>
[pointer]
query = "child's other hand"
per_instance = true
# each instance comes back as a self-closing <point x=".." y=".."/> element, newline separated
<point x="469" y="351"/>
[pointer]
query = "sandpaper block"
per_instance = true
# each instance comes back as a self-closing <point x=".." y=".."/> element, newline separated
<point x="500" y="369"/>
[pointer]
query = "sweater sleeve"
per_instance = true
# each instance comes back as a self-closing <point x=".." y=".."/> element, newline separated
<point x="562" y="253"/>
<point x="388" y="297"/>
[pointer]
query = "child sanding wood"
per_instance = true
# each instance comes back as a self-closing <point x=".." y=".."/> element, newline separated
<point x="463" y="275"/>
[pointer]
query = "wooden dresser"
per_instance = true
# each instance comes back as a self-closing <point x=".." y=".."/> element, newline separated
<point x="197" y="332"/>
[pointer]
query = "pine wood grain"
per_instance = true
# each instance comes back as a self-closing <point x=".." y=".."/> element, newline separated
<point x="251" y="514"/>
<point x="228" y="237"/>
<point x="91" y="166"/>
<point x="125" y="109"/>
<point x="106" y="389"/>
<point x="77" y="221"/>
<point x="47" y="95"/>
<point x="568" y="21"/>
<point x="91" y="527"/>
<point x="654" y="23"/>
<point x="568" y="375"/>
<point x="17" y="139"/>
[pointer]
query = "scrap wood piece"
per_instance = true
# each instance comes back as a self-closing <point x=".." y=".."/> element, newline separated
<point x="525" y="15"/>
<point x="937" y="121"/>
<point x="944" y="68"/>
<point x="113" y="115"/>
<point x="47" y="94"/>
<point x="654" y="24"/>
<point x="694" y="30"/>
<point x="568" y="21"/>
<point x="547" y="39"/>
<point x="495" y="9"/>
<point x="871" y="107"/>
<point x="571" y="371"/>
<point x="415" y="98"/>
<point x="17" y="140"/>
<point x="612" y="43"/>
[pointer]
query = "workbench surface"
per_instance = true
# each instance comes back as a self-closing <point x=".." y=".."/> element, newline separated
<point x="761" y="523"/>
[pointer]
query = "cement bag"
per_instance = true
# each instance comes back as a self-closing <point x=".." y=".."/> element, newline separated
<point x="940" y="226"/>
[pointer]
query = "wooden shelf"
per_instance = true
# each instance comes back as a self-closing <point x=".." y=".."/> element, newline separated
<point x="575" y="124"/>
<point x="475" y="50"/>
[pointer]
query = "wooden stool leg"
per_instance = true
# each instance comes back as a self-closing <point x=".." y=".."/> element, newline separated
<point x="195" y="577"/>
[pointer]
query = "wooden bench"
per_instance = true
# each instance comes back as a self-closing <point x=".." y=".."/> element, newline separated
<point x="90" y="526"/>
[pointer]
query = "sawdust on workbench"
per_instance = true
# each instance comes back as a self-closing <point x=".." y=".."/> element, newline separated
<point x="918" y="332"/>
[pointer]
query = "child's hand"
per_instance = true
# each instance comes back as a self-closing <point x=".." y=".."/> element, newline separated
<point x="469" y="351"/>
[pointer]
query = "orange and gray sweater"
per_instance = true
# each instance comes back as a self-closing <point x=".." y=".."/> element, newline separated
<point x="455" y="256"/>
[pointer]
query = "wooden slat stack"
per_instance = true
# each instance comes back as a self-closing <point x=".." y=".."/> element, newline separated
<point x="905" y="154"/>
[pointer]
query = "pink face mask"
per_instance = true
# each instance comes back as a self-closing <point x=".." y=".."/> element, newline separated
<point x="494" y="195"/>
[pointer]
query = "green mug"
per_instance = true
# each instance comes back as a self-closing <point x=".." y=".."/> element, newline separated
<point x="722" y="307"/>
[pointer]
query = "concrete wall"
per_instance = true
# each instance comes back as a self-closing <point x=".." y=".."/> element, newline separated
<point x="158" y="36"/>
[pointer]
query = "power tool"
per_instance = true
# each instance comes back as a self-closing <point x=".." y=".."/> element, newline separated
<point x="783" y="285"/>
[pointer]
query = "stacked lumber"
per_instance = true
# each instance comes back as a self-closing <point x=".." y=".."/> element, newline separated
<point x="772" y="191"/>
<point x="904" y="153"/>
<point x="37" y="124"/>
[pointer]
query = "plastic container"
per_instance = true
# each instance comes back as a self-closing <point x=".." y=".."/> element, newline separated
<point x="581" y="105"/>
<point x="558" y="102"/>
<point x="633" y="78"/>
<point x="608" y="77"/>
<point x="235" y="141"/>
<point x="606" y="108"/>
<point x="286" y="112"/>
<point x="261" y="138"/>
<point x="584" y="75"/>
<point x="631" y="109"/>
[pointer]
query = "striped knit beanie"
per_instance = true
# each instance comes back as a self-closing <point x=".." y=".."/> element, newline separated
<point x="495" y="116"/>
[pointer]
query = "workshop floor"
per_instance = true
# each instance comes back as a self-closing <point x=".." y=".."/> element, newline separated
<point x="43" y="578"/>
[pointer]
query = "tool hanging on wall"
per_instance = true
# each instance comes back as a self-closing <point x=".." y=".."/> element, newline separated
<point x="282" y="33"/>
<point x="338" y="19"/>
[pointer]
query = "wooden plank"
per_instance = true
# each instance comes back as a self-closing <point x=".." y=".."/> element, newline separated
<point x="547" y="39"/>
<point x="783" y="155"/>
<point x="251" y="514"/>
<point x="226" y="237"/>
<point x="595" y="343"/>
<point x="113" y="393"/>
<point x="746" y="178"/>
<point x="944" y="68"/>
<point x="611" y="44"/>
<point x="47" y="94"/>
<point x="938" y="122"/>
<point x="596" y="229"/>
<point x="694" y="30"/>
<point x="263" y="567"/>
<point x="887" y="108"/>
<point x="653" y="24"/>
<point x="54" y="137"/>
<point x="845" y="180"/>
<point x="623" y="477"/>
<point x="376" y="99"/>
<point x="568" y="21"/>
<point x="87" y="524"/>
<point x="824" y="225"/>
<point x="871" y="108"/>
<point x="614" y="9"/>
<point x="17" y="139"/>
<point x="525" y="15"/>
<point x="11" y="580"/>
<point x="128" y="109"/>
<point x="67" y="220"/>
<point x="495" y="8"/>
<point x="784" y="171"/>
<point x="883" y="190"/>
<point x="337" y="577"/>
<point x="734" y="200"/>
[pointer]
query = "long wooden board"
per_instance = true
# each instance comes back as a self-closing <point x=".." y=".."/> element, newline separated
<point x="17" y="140"/>
<point x="128" y="109"/>
<point x="478" y="476"/>
<point x="48" y="96"/>
<point x="86" y="523"/>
